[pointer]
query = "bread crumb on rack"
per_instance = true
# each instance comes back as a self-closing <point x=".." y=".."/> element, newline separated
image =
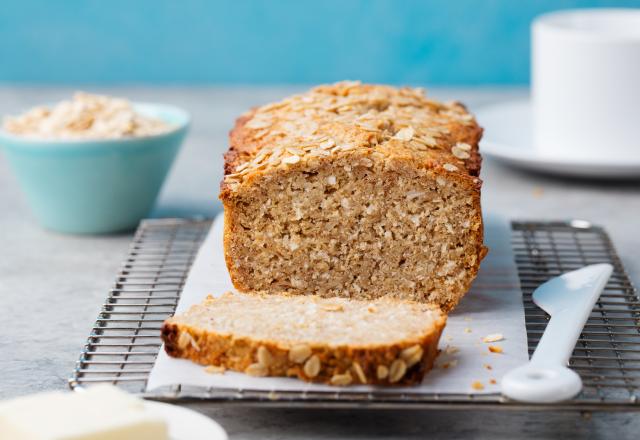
<point x="477" y="385"/>
<point x="449" y="364"/>
<point x="493" y="337"/>
<point x="215" y="369"/>
<point x="495" y="349"/>
<point x="450" y="349"/>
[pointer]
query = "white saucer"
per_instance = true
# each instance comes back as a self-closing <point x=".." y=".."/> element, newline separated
<point x="186" y="424"/>
<point x="507" y="137"/>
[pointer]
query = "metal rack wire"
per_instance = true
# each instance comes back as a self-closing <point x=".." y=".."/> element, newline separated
<point x="125" y="339"/>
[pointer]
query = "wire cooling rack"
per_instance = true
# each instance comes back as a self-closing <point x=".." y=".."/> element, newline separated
<point x="125" y="339"/>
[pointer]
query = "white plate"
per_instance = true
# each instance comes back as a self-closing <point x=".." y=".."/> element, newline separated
<point x="186" y="424"/>
<point x="507" y="137"/>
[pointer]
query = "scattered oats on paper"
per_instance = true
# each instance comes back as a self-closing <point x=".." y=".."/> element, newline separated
<point x="494" y="337"/>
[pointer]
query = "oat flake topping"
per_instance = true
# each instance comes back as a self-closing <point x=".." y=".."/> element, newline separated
<point x="347" y="116"/>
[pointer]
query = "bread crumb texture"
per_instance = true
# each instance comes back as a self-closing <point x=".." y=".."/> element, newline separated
<point x="299" y="336"/>
<point x="358" y="191"/>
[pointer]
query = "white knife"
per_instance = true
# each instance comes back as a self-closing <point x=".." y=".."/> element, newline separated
<point x="569" y="300"/>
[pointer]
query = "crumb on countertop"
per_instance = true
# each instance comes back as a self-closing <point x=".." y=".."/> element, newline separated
<point x="537" y="192"/>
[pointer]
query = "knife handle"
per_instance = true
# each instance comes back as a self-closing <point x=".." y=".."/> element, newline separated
<point x="546" y="377"/>
<point x="565" y="326"/>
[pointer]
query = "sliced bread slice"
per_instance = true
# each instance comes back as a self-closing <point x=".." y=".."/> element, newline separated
<point x="337" y="341"/>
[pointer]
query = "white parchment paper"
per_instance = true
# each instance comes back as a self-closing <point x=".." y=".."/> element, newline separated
<point x="494" y="305"/>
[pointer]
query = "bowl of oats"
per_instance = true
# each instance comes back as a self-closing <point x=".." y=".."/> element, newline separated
<point x="93" y="164"/>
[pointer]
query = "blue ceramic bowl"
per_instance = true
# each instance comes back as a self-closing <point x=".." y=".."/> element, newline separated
<point x="96" y="186"/>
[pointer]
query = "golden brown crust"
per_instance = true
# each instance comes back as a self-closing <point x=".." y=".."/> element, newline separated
<point x="392" y="122"/>
<point x="241" y="354"/>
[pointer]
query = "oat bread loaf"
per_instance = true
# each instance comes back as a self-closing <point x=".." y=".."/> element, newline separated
<point x="355" y="190"/>
<point x="335" y="341"/>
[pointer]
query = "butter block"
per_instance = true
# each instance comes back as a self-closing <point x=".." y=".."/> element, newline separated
<point x="102" y="412"/>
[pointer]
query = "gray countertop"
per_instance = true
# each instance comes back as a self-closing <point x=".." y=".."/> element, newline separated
<point x="51" y="285"/>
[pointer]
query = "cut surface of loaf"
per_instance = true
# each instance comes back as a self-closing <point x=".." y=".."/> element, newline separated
<point x="335" y="341"/>
<point x="355" y="190"/>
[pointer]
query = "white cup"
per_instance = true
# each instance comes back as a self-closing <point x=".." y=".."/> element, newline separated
<point x="586" y="84"/>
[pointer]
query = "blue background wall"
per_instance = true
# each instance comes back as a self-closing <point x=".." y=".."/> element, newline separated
<point x="277" y="41"/>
